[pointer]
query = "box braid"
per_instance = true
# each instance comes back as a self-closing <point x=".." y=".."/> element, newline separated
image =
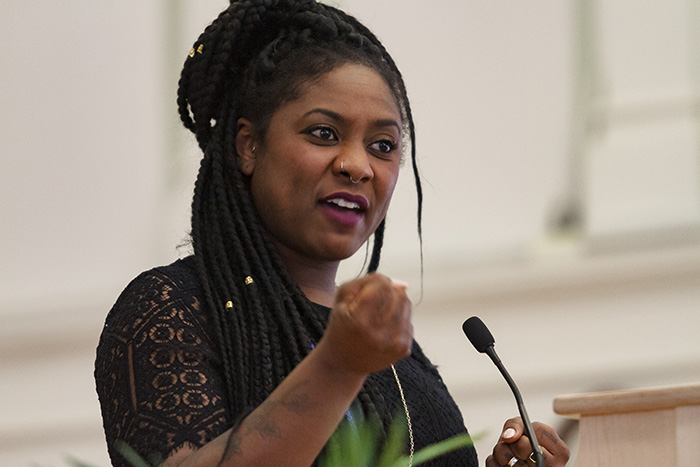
<point x="250" y="61"/>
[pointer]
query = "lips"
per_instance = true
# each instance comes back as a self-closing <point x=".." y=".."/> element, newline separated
<point x="347" y="201"/>
<point x="345" y="208"/>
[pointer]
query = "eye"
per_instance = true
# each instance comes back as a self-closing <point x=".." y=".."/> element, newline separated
<point x="323" y="133"/>
<point x="384" y="146"/>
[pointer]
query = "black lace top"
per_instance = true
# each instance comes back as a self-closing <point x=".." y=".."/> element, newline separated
<point x="159" y="381"/>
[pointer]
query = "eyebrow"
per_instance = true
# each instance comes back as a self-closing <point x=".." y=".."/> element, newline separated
<point x="336" y="116"/>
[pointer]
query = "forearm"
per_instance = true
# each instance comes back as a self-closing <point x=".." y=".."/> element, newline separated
<point x="368" y="329"/>
<point x="291" y="426"/>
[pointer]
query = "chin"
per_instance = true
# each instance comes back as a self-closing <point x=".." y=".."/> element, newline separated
<point x="340" y="253"/>
<point x="339" y="256"/>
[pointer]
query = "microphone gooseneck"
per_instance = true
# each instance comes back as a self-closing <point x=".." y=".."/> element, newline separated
<point x="482" y="340"/>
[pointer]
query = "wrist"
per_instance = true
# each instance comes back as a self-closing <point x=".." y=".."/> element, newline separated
<point x="333" y="368"/>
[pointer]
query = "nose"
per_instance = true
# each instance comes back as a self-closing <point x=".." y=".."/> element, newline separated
<point x="354" y="163"/>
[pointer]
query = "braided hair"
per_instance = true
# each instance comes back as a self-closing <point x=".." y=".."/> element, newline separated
<point x="250" y="61"/>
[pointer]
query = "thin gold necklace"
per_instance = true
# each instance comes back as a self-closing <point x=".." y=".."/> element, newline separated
<point x="408" y="416"/>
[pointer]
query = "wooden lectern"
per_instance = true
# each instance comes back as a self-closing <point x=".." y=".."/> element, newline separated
<point x="642" y="428"/>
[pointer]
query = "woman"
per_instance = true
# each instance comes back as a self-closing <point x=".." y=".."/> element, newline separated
<point x="247" y="353"/>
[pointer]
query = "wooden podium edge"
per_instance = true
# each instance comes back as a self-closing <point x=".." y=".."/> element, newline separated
<point x="624" y="401"/>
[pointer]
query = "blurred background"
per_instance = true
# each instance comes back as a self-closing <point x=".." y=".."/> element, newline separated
<point x="559" y="143"/>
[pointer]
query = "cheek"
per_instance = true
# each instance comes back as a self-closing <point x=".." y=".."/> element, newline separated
<point x="266" y="194"/>
<point x="281" y="186"/>
<point x="386" y="190"/>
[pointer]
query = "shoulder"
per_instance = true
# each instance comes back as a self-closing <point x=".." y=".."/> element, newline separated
<point x="162" y="282"/>
<point x="159" y="315"/>
<point x="157" y="294"/>
<point x="157" y="370"/>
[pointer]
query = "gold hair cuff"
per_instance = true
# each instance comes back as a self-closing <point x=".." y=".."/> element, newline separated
<point x="199" y="50"/>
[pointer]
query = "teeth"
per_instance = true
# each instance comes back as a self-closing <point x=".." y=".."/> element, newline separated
<point x="344" y="204"/>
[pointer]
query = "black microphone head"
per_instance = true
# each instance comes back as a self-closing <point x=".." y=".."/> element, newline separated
<point x="478" y="334"/>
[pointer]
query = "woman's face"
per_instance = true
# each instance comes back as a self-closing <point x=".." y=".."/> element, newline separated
<point x="345" y="124"/>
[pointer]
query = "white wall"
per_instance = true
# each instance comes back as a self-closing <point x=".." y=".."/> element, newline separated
<point x="519" y="106"/>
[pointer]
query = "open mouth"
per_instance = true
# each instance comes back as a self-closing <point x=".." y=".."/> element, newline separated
<point x="343" y="204"/>
<point x="346" y="202"/>
<point x="346" y="208"/>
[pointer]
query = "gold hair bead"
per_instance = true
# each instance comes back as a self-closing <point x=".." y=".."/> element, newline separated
<point x="200" y="48"/>
<point x="229" y="305"/>
<point x="191" y="54"/>
<point x="248" y="280"/>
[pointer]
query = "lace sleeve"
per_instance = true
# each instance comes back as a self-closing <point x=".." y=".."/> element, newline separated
<point x="157" y="374"/>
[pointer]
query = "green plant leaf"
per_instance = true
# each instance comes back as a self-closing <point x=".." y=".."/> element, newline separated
<point x="130" y="455"/>
<point x="354" y="444"/>
<point x="394" y="447"/>
<point x="437" y="449"/>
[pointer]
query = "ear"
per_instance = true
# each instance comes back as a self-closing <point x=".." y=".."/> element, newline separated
<point x="245" y="145"/>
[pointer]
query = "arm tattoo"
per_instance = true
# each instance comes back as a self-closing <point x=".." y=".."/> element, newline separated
<point x="261" y="422"/>
<point x="233" y="446"/>
<point x="297" y="401"/>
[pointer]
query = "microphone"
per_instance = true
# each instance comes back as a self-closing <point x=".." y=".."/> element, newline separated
<point x="482" y="340"/>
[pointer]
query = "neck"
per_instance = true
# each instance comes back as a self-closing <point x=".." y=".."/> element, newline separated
<point x="315" y="278"/>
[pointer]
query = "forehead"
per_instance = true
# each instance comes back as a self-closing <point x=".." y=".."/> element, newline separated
<point x="352" y="90"/>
